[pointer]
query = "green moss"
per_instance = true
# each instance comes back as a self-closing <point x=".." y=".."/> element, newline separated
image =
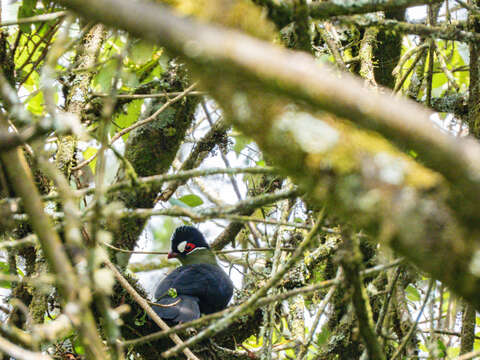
<point x="66" y="154"/>
<point x="388" y="50"/>
<point x="356" y="145"/>
<point x="151" y="149"/>
<point x="240" y="14"/>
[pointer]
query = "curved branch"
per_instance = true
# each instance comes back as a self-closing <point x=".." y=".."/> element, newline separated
<point x="301" y="78"/>
<point x="281" y="14"/>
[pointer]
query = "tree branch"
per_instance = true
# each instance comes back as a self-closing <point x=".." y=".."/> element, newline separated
<point x="306" y="290"/>
<point x="21" y="180"/>
<point x="19" y="353"/>
<point x="445" y="32"/>
<point x="137" y="124"/>
<point x="299" y="77"/>
<point x="281" y="13"/>
<point x="251" y="303"/>
<point x="33" y="19"/>
<point x="148" y="309"/>
<point x="197" y="155"/>
<point x="351" y="261"/>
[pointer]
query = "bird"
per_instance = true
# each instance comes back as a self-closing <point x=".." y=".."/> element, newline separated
<point x="201" y="285"/>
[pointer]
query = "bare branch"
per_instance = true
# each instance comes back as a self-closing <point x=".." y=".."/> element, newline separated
<point x="152" y="314"/>
<point x="149" y="119"/>
<point x="33" y="19"/>
<point x="301" y="78"/>
<point x="251" y="303"/>
<point x="19" y="353"/>
<point x="309" y="289"/>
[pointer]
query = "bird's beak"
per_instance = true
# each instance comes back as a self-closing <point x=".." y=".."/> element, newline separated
<point x="172" y="255"/>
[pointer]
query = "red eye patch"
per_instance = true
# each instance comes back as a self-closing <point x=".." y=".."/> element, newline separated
<point x="189" y="247"/>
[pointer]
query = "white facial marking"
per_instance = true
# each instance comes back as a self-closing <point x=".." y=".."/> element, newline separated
<point x="181" y="246"/>
<point x="197" y="248"/>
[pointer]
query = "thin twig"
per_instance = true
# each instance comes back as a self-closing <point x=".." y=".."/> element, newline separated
<point x="309" y="289"/>
<point x="474" y="9"/>
<point x="251" y="226"/>
<point x="445" y="69"/>
<point x="446" y="332"/>
<point x="26" y="241"/>
<point x="269" y="315"/>
<point x="216" y="252"/>
<point x="432" y="20"/>
<point x="332" y="44"/>
<point x="414" y="325"/>
<point x="149" y="119"/>
<point x="400" y="81"/>
<point x="469" y="355"/>
<point x="148" y="309"/>
<point x="177" y="211"/>
<point x="351" y="261"/>
<point x="321" y="309"/>
<point x="408" y="54"/>
<point x="158" y="180"/>
<point x="147" y="96"/>
<point x="432" y="31"/>
<point x="33" y="19"/>
<point x="388" y="297"/>
<point x="251" y="303"/>
<point x="164" y="305"/>
<point x="197" y="155"/>
<point x="19" y="353"/>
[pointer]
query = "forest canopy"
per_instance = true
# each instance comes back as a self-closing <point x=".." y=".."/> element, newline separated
<point x="328" y="151"/>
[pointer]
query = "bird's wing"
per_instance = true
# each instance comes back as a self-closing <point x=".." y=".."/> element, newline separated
<point x="190" y="280"/>
<point x="183" y="308"/>
<point x="199" y="287"/>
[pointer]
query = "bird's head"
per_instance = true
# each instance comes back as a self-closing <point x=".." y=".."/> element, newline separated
<point x="189" y="246"/>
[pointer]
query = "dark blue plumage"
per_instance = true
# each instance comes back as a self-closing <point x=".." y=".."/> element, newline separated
<point x="202" y="286"/>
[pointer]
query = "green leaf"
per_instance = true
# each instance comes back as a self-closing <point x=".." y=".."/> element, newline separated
<point x="412" y="293"/>
<point x="413" y="154"/>
<point x="177" y="202"/>
<point x="32" y="82"/>
<point x="290" y="353"/>
<point x="139" y="321"/>
<point x="78" y="347"/>
<point x="156" y="73"/>
<point x="141" y="52"/>
<point x="102" y="82"/>
<point x="172" y="292"/>
<point x="36" y="104"/>
<point x="87" y="154"/>
<point x="438" y="81"/>
<point x="4" y="269"/>
<point x="453" y="352"/>
<point x="26" y="10"/>
<point x="443" y="349"/>
<point x="191" y="200"/>
<point x="240" y="142"/>
<point x="132" y="113"/>
<point x="323" y="336"/>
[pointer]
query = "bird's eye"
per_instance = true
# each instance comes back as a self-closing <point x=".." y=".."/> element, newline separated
<point x="189" y="247"/>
